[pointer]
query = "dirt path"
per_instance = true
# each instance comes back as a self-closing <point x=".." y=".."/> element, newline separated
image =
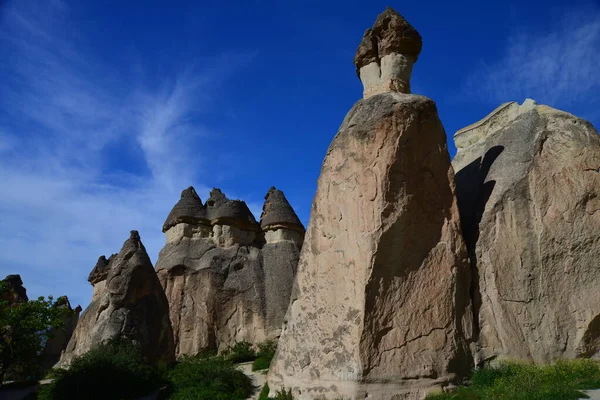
<point x="594" y="394"/>
<point x="258" y="378"/>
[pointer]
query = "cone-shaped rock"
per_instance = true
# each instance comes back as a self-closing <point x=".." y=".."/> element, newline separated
<point x="228" y="285"/>
<point x="381" y="307"/>
<point x="386" y="54"/>
<point x="222" y="211"/>
<point x="277" y="212"/>
<point x="133" y="306"/>
<point x="189" y="209"/>
<point x="528" y="184"/>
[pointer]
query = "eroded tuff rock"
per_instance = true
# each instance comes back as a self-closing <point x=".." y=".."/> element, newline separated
<point x="381" y="309"/>
<point x="132" y="306"/>
<point x="386" y="54"/>
<point x="226" y="279"/>
<point x="59" y="338"/>
<point x="528" y="185"/>
<point x="15" y="292"/>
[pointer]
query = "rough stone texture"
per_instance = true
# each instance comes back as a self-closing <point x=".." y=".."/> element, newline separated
<point x="16" y="293"/>
<point x="381" y="308"/>
<point x="222" y="211"/>
<point x="225" y="286"/>
<point x="189" y="209"/>
<point x="100" y="271"/>
<point x="386" y="54"/>
<point x="59" y="338"/>
<point x="277" y="212"/>
<point x="133" y="306"/>
<point x="528" y="184"/>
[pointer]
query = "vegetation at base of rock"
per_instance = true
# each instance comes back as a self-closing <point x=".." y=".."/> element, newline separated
<point x="266" y="352"/>
<point x="113" y="370"/>
<point x="208" y="379"/>
<point x="281" y="394"/>
<point x="24" y="327"/>
<point x="563" y="380"/>
<point x="239" y="353"/>
<point x="264" y="393"/>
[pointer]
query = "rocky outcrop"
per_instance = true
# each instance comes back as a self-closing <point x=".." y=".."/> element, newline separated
<point x="381" y="309"/>
<point x="528" y="183"/>
<point x="59" y="338"/>
<point x="98" y="275"/>
<point x="15" y="292"/>
<point x="226" y="278"/>
<point x="386" y="55"/>
<point x="132" y="306"/>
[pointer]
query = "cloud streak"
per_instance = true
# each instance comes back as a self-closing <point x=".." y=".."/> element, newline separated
<point x="557" y="65"/>
<point x="85" y="153"/>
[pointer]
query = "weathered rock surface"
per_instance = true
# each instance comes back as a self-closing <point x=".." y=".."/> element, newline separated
<point x="225" y="280"/>
<point x="381" y="309"/>
<point x="16" y="293"/>
<point x="528" y="184"/>
<point x="132" y="306"/>
<point x="386" y="54"/>
<point x="59" y="338"/>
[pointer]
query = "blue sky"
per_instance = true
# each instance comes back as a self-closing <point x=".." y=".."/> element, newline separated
<point x="108" y="109"/>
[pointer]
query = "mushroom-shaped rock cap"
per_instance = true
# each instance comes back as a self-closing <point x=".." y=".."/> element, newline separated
<point x="277" y="212"/>
<point x="391" y="33"/>
<point x="16" y="293"/>
<point x="221" y="210"/>
<point x="100" y="271"/>
<point x="189" y="209"/>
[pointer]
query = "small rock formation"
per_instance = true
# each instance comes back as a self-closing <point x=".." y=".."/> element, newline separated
<point x="226" y="279"/>
<point x="381" y="308"/>
<point x="528" y="184"/>
<point x="16" y="293"/>
<point x="59" y="338"/>
<point x="132" y="305"/>
<point x="98" y="275"/>
<point x="386" y="55"/>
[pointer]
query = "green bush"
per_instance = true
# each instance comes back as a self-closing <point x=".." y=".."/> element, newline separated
<point x="266" y="352"/>
<point x="208" y="379"/>
<point x="516" y="381"/>
<point x="113" y="370"/>
<point x="264" y="393"/>
<point x="239" y="353"/>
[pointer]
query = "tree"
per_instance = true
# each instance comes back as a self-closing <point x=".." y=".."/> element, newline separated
<point x="24" y="328"/>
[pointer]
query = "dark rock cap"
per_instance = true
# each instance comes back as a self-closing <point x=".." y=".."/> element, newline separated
<point x="16" y="292"/>
<point x="391" y="33"/>
<point x="221" y="210"/>
<point x="189" y="209"/>
<point x="278" y="211"/>
<point x="100" y="271"/>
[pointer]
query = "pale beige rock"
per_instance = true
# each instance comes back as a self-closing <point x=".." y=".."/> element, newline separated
<point x="528" y="185"/>
<point x="132" y="306"/>
<point x="381" y="309"/>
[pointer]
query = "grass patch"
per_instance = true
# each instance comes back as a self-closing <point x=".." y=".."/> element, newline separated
<point x="114" y="370"/>
<point x="239" y="353"/>
<point x="208" y="379"/>
<point x="266" y="352"/>
<point x="516" y="381"/>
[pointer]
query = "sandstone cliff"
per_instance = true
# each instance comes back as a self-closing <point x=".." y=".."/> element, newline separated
<point x="131" y="305"/>
<point x="528" y="184"/>
<point x="381" y="308"/>
<point x="228" y="278"/>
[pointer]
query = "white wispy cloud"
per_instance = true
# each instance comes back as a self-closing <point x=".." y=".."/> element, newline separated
<point x="64" y="114"/>
<point x="557" y="64"/>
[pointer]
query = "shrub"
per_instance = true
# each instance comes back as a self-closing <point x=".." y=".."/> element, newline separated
<point x="239" y="353"/>
<point x="113" y="370"/>
<point x="208" y="379"/>
<point x="264" y="393"/>
<point x="518" y="381"/>
<point x="266" y="352"/>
